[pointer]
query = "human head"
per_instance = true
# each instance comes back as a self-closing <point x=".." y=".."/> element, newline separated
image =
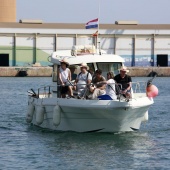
<point x="110" y="75"/>
<point x="64" y="63"/>
<point x="123" y="70"/>
<point x="98" y="73"/>
<point x="83" y="67"/>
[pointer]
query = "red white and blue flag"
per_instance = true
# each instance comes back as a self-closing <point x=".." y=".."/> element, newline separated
<point x="92" y="24"/>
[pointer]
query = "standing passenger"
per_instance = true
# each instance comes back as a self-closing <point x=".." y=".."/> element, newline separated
<point x="83" y="80"/>
<point x="64" y="76"/>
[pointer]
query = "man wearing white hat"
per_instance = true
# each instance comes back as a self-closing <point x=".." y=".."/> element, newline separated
<point x="125" y="80"/>
<point x="83" y="79"/>
<point x="64" y="76"/>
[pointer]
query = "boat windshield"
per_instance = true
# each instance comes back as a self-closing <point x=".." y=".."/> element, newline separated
<point x="106" y="67"/>
<point x="75" y="69"/>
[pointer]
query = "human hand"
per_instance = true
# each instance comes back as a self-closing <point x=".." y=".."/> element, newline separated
<point x="124" y="91"/>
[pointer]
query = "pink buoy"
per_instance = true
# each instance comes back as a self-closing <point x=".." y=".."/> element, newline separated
<point x="151" y="91"/>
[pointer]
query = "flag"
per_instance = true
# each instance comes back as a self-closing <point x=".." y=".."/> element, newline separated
<point x="92" y="24"/>
<point x="95" y="34"/>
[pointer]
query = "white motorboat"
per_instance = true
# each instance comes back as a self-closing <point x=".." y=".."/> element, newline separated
<point x="47" y="110"/>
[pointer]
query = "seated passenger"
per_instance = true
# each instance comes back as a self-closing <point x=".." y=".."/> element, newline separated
<point x="64" y="76"/>
<point x="125" y="81"/>
<point x="83" y="80"/>
<point x="72" y="69"/>
<point x="98" y="88"/>
<point x="110" y="87"/>
<point x="97" y="78"/>
<point x="99" y="91"/>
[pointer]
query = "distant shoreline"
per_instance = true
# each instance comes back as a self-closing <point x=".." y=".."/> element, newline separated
<point x="47" y="71"/>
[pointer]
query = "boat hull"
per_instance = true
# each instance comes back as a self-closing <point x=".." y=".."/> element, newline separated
<point x="91" y="115"/>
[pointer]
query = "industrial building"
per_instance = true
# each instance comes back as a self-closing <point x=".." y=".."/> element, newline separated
<point x="139" y="45"/>
<point x="29" y="42"/>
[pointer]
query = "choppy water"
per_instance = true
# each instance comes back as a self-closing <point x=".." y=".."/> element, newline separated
<point x="28" y="147"/>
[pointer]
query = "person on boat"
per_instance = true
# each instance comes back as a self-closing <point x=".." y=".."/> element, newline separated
<point x="125" y="81"/>
<point x="83" y="80"/>
<point x="64" y="78"/>
<point x="110" y="87"/>
<point x="72" y="69"/>
<point x="98" y="77"/>
<point x="110" y="93"/>
<point x="98" y="87"/>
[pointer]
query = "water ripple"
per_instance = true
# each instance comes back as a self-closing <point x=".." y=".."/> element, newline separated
<point x="28" y="147"/>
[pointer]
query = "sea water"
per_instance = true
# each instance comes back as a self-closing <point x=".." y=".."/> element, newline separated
<point x="25" y="147"/>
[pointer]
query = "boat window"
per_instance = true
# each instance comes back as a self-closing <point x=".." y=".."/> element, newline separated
<point x="106" y="67"/>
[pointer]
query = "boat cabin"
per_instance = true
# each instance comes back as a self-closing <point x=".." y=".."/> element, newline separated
<point x="105" y="62"/>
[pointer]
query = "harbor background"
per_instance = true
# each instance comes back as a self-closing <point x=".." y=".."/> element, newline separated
<point x="28" y="147"/>
<point x="47" y="71"/>
<point x="145" y="48"/>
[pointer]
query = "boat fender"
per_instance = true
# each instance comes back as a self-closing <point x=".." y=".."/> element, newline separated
<point x="40" y="111"/>
<point x="151" y="91"/>
<point x="56" y="115"/>
<point x="30" y="112"/>
<point x="145" y="117"/>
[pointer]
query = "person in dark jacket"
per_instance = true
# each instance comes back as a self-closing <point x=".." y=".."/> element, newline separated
<point x="125" y="81"/>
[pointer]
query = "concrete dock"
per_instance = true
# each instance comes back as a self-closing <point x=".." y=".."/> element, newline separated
<point x="149" y="71"/>
<point x="47" y="71"/>
<point x="25" y="71"/>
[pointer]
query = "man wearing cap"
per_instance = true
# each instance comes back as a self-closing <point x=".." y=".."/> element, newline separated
<point x="64" y="76"/>
<point x="125" y="80"/>
<point x="83" y="79"/>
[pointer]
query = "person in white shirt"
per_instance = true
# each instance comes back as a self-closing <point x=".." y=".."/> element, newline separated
<point x="64" y="76"/>
<point x="83" y="80"/>
<point x="110" y="87"/>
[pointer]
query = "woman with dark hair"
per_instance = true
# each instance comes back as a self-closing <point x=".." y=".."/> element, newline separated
<point x="110" y="87"/>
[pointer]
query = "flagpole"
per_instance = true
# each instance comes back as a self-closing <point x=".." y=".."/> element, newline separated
<point x="98" y="15"/>
<point x="98" y="26"/>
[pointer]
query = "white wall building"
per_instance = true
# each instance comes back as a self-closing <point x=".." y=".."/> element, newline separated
<point x="139" y="45"/>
